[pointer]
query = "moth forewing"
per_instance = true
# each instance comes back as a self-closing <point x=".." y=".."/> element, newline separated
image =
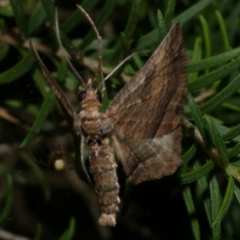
<point x="146" y="114"/>
<point x="65" y="104"/>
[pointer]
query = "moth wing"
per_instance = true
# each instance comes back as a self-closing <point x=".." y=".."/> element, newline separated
<point x="151" y="159"/>
<point x="146" y="114"/>
<point x="80" y="151"/>
<point x="63" y="101"/>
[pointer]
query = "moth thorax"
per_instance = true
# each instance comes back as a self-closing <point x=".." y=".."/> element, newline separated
<point x="91" y="105"/>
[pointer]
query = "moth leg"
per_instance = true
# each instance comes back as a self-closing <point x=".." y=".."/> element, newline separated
<point x="79" y="149"/>
<point x="83" y="165"/>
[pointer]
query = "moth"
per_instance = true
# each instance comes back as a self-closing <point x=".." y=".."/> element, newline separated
<point x="141" y="128"/>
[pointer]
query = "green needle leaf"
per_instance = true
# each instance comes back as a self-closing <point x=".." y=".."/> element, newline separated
<point x="218" y="142"/>
<point x="196" y="174"/>
<point x="187" y="195"/>
<point x="226" y="202"/>
<point x="17" y="70"/>
<point x="6" y="209"/>
<point x="69" y="233"/>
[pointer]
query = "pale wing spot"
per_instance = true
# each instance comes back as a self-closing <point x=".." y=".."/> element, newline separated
<point x="160" y="146"/>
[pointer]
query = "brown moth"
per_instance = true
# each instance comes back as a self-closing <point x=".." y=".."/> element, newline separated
<point x="141" y="127"/>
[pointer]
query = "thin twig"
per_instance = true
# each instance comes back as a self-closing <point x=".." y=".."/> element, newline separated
<point x="62" y="47"/>
<point x="211" y="151"/>
<point x="4" y="235"/>
<point x="42" y="48"/>
<point x="5" y="115"/>
<point x="119" y="65"/>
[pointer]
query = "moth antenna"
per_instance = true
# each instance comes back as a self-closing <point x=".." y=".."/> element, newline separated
<point x="62" y="47"/>
<point x="99" y="38"/>
<point x="119" y="65"/>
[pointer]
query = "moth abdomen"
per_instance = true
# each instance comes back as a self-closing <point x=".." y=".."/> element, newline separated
<point x="109" y="208"/>
<point x="103" y="168"/>
<point x="106" y="188"/>
<point x="102" y="171"/>
<point x="108" y="198"/>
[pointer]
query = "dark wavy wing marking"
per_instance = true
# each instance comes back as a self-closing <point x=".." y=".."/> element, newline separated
<point x="146" y="114"/>
<point x="151" y="104"/>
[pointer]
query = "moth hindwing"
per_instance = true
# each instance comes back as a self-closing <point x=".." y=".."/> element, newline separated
<point x="141" y="127"/>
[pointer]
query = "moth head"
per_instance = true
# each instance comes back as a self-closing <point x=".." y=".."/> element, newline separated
<point x="89" y="97"/>
<point x="85" y="95"/>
